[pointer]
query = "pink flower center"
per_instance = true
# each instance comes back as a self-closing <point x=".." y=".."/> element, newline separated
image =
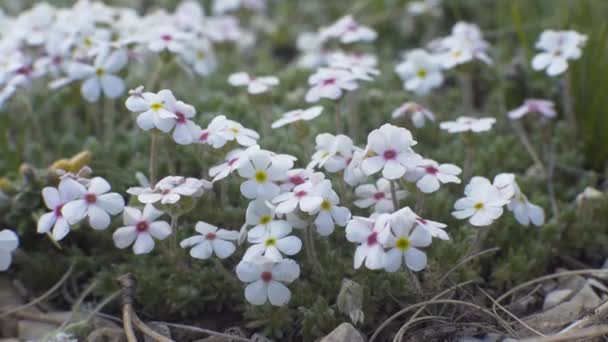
<point x="301" y="193"/>
<point x="142" y="226"/>
<point x="181" y="118"/>
<point x="57" y="60"/>
<point x="58" y="210"/>
<point x="390" y="154"/>
<point x="166" y="37"/>
<point x="210" y="236"/>
<point x="24" y="70"/>
<point x="352" y="27"/>
<point x="329" y="81"/>
<point x="90" y="198"/>
<point x="165" y="192"/>
<point x="232" y="161"/>
<point x="431" y="170"/>
<point x="204" y="136"/>
<point x="372" y="239"/>
<point x="379" y="195"/>
<point x="297" y="180"/>
<point x="266" y="276"/>
<point x="421" y="220"/>
<point x="348" y="161"/>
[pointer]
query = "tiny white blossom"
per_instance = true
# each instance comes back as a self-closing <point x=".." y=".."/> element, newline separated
<point x="170" y="189"/>
<point x="420" y="72"/>
<point x="265" y="280"/>
<point x="379" y="195"/>
<point x="298" y="115"/>
<point x="330" y="84"/>
<point x="392" y="150"/>
<point x="255" y="84"/>
<point x="545" y="108"/>
<point x="94" y="201"/>
<point x="273" y="243"/>
<point x="262" y="175"/>
<point x="467" y="123"/>
<point x="348" y="31"/>
<point x="483" y="203"/>
<point x="210" y="240"/>
<point x="419" y="114"/>
<point x="55" y="199"/>
<point x="405" y="241"/>
<point x="557" y="48"/>
<point x="101" y="75"/>
<point x="428" y="175"/>
<point x="141" y="228"/>
<point x="369" y="234"/>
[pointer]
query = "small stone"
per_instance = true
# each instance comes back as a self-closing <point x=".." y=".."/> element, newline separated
<point x="159" y="328"/>
<point x="345" y="332"/>
<point x="555" y="297"/>
<point x="33" y="330"/>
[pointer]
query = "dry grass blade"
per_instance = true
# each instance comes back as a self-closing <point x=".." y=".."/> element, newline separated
<point x="580" y="334"/>
<point x="587" y="319"/>
<point x="496" y="304"/>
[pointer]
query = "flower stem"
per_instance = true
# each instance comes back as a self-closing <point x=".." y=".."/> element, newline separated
<point x="338" y="118"/>
<point x="523" y="137"/>
<point x="153" y="159"/>
<point x="314" y="258"/>
<point x="468" y="95"/>
<point x="173" y="241"/>
<point x="469" y="153"/>
<point x="394" y="195"/>
<point x="568" y="102"/>
<point x="108" y="116"/>
<point x="415" y="282"/>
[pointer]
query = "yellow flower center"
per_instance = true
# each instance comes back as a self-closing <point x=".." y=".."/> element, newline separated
<point x="421" y="73"/>
<point x="201" y="55"/>
<point x="402" y="244"/>
<point x="478" y="206"/>
<point x="265" y="219"/>
<point x="100" y="72"/>
<point x="325" y="205"/>
<point x="457" y="53"/>
<point x="235" y="130"/>
<point x="156" y="106"/>
<point x="271" y="242"/>
<point x="261" y="176"/>
<point x="88" y="42"/>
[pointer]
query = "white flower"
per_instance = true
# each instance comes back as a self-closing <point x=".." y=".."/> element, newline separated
<point x="420" y="72"/>
<point x="330" y="84"/>
<point x="156" y="110"/>
<point x="233" y="160"/>
<point x="430" y="7"/>
<point x="262" y="175"/>
<point x="311" y="46"/>
<point x="306" y="196"/>
<point x="378" y="195"/>
<point x="141" y="228"/>
<point x="403" y="242"/>
<point x="463" y="45"/>
<point x="100" y="76"/>
<point x="436" y="229"/>
<point x="265" y="280"/>
<point x="467" y="123"/>
<point x="211" y="240"/>
<point x="55" y="199"/>
<point x="170" y="189"/>
<point x="95" y="201"/>
<point x="223" y="6"/>
<point x="361" y="66"/>
<point x="348" y="31"/>
<point x="260" y="215"/>
<point x="545" y="108"/>
<point x="505" y="183"/>
<point x="298" y="115"/>
<point x="557" y="48"/>
<point x="483" y="203"/>
<point x="200" y="56"/>
<point x="353" y="174"/>
<point x="418" y="113"/>
<point x="167" y="37"/>
<point x="273" y="243"/>
<point x="222" y="130"/>
<point x="334" y="153"/>
<point x="369" y="234"/>
<point x="9" y="241"/>
<point x="296" y="177"/>
<point x="392" y="150"/>
<point x="329" y="214"/>
<point x="428" y="175"/>
<point x="524" y="211"/>
<point x="255" y="84"/>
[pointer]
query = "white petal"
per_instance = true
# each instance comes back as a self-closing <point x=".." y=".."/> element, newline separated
<point x="51" y="197"/>
<point x="160" y="230"/>
<point x="415" y="259"/>
<point x="392" y="260"/>
<point x="289" y="245"/>
<point x="113" y="86"/>
<point x="124" y="237"/>
<point x="223" y="249"/>
<point x="113" y="203"/>
<point x="74" y="211"/>
<point x="143" y="244"/>
<point x="61" y="229"/>
<point x="202" y="250"/>
<point x="98" y="218"/>
<point x="278" y="294"/>
<point x="91" y="89"/>
<point x="256" y="292"/>
<point x="46" y="222"/>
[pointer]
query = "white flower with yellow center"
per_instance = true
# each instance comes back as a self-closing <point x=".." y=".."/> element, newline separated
<point x="262" y="175"/>
<point x="420" y="72"/>
<point x="273" y="244"/>
<point x="483" y="203"/>
<point x="404" y="242"/>
<point x="329" y="213"/>
<point x="100" y="76"/>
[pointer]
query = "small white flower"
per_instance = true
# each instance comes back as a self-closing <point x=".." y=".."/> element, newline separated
<point x="419" y="114"/>
<point x="222" y="130"/>
<point x="404" y="241"/>
<point x="156" y="110"/>
<point x="262" y="175"/>
<point x="428" y="175"/>
<point x="95" y="201"/>
<point x="265" y="280"/>
<point x="467" y="123"/>
<point x="436" y="229"/>
<point x="298" y="115"/>
<point x="424" y="7"/>
<point x="296" y="177"/>
<point x="211" y="240"/>
<point x="557" y="48"/>
<point x="306" y="196"/>
<point x="261" y="216"/>
<point x="348" y="31"/>
<point x="353" y="174"/>
<point x="233" y="160"/>
<point x="420" y="72"/>
<point x="370" y="234"/>
<point x="334" y="153"/>
<point x="545" y="108"/>
<point x="483" y="203"/>
<point x="361" y="66"/>
<point x="273" y="243"/>
<point x="170" y="189"/>
<point x="462" y="46"/>
<point x="524" y="211"/>
<point x="9" y="241"/>
<point x="182" y="126"/>
<point x="141" y="229"/>
<point x="101" y="75"/>
<point x="330" y="84"/>
<point x="255" y="84"/>
<point x="379" y="195"/>
<point x="167" y="37"/>
<point x="200" y="56"/>
<point x="392" y="150"/>
<point x="55" y="199"/>
<point x="329" y="214"/>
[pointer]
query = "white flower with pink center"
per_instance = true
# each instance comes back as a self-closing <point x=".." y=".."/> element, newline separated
<point x="233" y="160"/>
<point x="167" y="38"/>
<point x="348" y="31"/>
<point x="370" y="234"/>
<point x="170" y="189"/>
<point x="334" y="153"/>
<point x="392" y="152"/>
<point x="361" y="66"/>
<point x="255" y="84"/>
<point x="295" y="177"/>
<point x="55" y="199"/>
<point x="436" y="229"/>
<point x="210" y="240"/>
<point x="307" y="197"/>
<point x="545" y="108"/>
<point x="140" y="229"/>
<point x="378" y="195"/>
<point x="428" y="175"/>
<point x="558" y="47"/>
<point x="183" y="127"/>
<point x="329" y="84"/>
<point x="298" y="115"/>
<point x="417" y="113"/>
<point x="465" y="44"/>
<point x="265" y="280"/>
<point x="94" y="202"/>
<point x="353" y="173"/>
<point x="468" y="124"/>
